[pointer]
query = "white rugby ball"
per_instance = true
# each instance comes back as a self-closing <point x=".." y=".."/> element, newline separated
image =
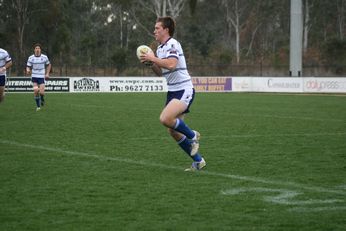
<point x="143" y="49"/>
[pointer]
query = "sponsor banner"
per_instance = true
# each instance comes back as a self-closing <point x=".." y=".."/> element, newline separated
<point x="118" y="84"/>
<point x="201" y="84"/>
<point x="24" y="84"/>
<point x="242" y="84"/>
<point x="138" y="84"/>
<point x="277" y="84"/>
<point x="57" y="84"/>
<point x="325" y="85"/>
<point x="19" y="84"/>
<point x="86" y="84"/>
<point x="212" y="84"/>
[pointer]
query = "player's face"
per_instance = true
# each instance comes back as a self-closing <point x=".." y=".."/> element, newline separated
<point x="37" y="51"/>
<point x="160" y="33"/>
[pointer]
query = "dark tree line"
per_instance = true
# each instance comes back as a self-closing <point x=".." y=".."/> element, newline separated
<point x="219" y="34"/>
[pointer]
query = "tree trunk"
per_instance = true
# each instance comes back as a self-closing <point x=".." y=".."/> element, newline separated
<point x="306" y="26"/>
<point x="21" y="9"/>
<point x="341" y="17"/>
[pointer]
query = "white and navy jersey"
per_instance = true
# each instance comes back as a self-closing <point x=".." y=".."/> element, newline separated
<point x="38" y="65"/>
<point x="4" y="58"/>
<point x="178" y="78"/>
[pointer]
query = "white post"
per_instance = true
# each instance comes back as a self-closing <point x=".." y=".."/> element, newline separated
<point x="296" y="38"/>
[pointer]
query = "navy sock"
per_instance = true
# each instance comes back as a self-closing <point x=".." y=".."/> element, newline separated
<point x="42" y="98"/>
<point x="181" y="127"/>
<point x="185" y="144"/>
<point x="37" y="99"/>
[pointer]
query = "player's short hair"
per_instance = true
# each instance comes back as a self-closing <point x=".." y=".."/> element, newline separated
<point x="167" y="22"/>
<point x="37" y="45"/>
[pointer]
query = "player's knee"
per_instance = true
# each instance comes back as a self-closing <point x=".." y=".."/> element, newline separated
<point x="166" y="121"/>
<point x="163" y="120"/>
<point x="36" y="89"/>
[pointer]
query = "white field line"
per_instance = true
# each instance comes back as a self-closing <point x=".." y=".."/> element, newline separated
<point x="289" y="198"/>
<point x="317" y="209"/>
<point x="150" y="164"/>
<point x="284" y="197"/>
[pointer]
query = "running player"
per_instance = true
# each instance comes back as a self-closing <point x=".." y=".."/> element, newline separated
<point x="39" y="67"/>
<point x="170" y="63"/>
<point x="5" y="63"/>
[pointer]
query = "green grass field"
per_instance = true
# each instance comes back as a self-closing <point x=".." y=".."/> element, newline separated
<point x="104" y="162"/>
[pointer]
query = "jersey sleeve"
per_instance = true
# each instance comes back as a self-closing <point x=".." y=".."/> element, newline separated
<point x="29" y="63"/>
<point x="172" y="51"/>
<point x="47" y="61"/>
<point x="8" y="57"/>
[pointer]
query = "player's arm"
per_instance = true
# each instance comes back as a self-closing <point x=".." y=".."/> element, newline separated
<point x="28" y="70"/>
<point x="156" y="69"/>
<point x="169" y="63"/>
<point x="48" y="68"/>
<point x="8" y="64"/>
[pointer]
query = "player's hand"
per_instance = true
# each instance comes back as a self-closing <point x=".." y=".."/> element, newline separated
<point x="46" y="77"/>
<point x="147" y="58"/>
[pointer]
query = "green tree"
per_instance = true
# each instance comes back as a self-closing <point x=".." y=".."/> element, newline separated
<point x="334" y="54"/>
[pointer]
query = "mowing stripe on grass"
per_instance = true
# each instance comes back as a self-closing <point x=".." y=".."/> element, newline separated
<point x="249" y="136"/>
<point x="285" y="117"/>
<point x="150" y="164"/>
<point x="215" y="113"/>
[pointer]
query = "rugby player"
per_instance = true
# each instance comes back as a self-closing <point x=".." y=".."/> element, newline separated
<point x="5" y="63"/>
<point x="38" y="66"/>
<point x="170" y="63"/>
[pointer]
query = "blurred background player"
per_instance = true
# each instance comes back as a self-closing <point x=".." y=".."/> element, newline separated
<point x="5" y="63"/>
<point x="39" y="67"/>
<point x="170" y="63"/>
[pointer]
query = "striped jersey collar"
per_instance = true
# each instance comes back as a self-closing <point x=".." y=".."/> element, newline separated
<point x="165" y="42"/>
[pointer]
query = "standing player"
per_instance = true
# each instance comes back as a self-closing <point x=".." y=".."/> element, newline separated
<point x="170" y="63"/>
<point x="39" y="67"/>
<point x="5" y="63"/>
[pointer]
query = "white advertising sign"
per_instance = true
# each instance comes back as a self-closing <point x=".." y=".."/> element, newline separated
<point x="242" y="84"/>
<point x="118" y="84"/>
<point x="325" y="85"/>
<point x="277" y="84"/>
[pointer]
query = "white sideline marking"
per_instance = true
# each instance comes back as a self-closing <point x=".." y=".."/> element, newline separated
<point x="144" y="163"/>
<point x="317" y="209"/>
<point x="284" y="197"/>
<point x="342" y="186"/>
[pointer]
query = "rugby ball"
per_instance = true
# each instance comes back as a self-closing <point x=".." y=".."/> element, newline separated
<point x="144" y="49"/>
